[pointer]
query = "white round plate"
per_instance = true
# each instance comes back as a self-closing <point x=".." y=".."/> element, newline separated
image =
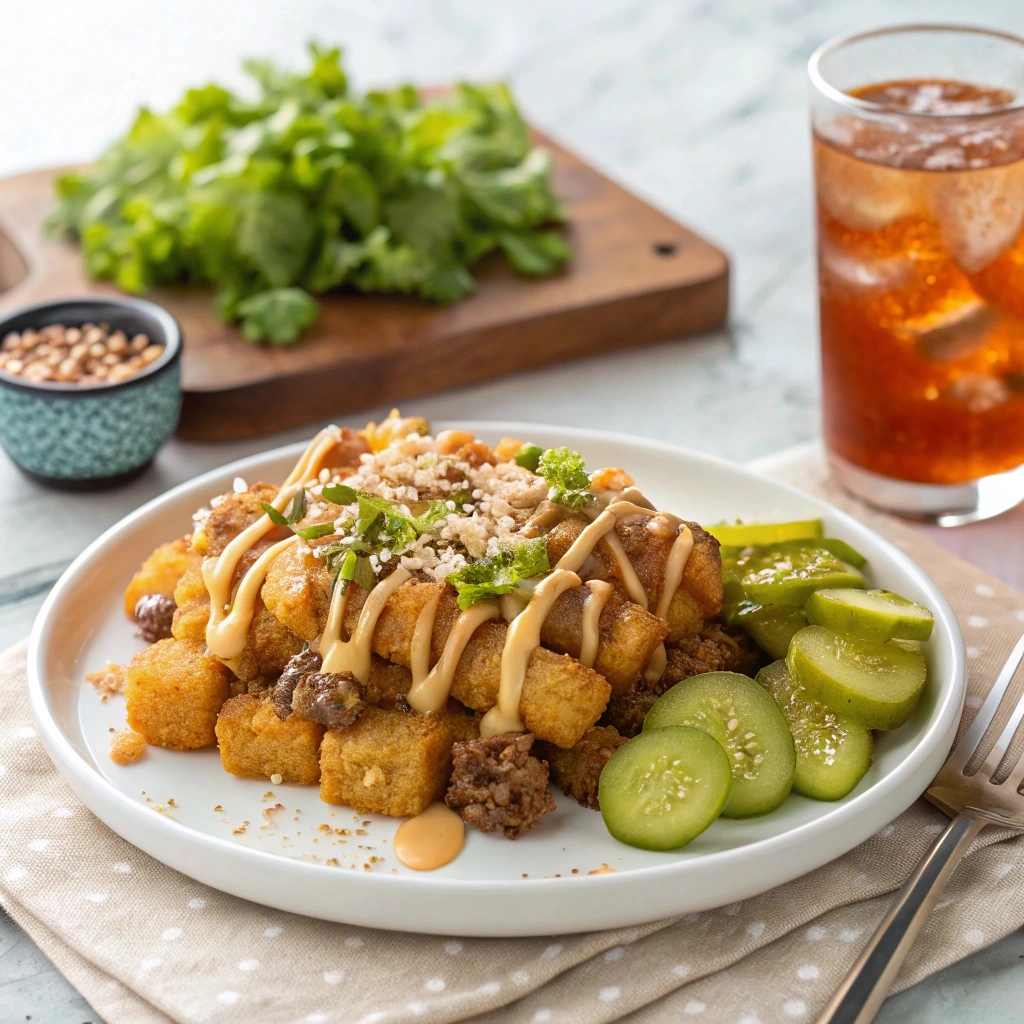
<point x="301" y="855"/>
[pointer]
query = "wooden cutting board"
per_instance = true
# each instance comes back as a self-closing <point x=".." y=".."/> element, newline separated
<point x="637" y="276"/>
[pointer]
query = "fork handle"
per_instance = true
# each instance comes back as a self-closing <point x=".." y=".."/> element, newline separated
<point x="866" y="986"/>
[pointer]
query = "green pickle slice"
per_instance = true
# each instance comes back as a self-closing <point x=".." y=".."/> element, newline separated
<point x="733" y="598"/>
<point x="878" y="684"/>
<point x="875" y="615"/>
<point x="842" y="550"/>
<point x="742" y="535"/>
<point x="664" y="787"/>
<point x="771" y="626"/>
<point x="833" y="751"/>
<point x="747" y="723"/>
<point x="790" y="571"/>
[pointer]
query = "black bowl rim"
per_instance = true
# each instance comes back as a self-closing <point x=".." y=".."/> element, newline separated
<point x="168" y="324"/>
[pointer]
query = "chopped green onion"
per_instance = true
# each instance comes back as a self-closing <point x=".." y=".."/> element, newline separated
<point x="348" y="566"/>
<point x="316" y="531"/>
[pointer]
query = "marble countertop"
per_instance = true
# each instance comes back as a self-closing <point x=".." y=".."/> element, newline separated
<point x="697" y="105"/>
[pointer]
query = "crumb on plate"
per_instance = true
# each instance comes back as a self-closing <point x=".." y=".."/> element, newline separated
<point x="127" y="746"/>
<point x="107" y="680"/>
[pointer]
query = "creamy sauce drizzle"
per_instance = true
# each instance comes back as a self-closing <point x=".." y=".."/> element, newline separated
<point x="600" y="591"/>
<point x="229" y="621"/>
<point x="431" y="692"/>
<point x="226" y="631"/>
<point x="430" y="840"/>
<point x="631" y="494"/>
<point x="603" y="527"/>
<point x="422" y="638"/>
<point x="308" y="466"/>
<point x="522" y="640"/>
<point x="675" y="565"/>
<point x="355" y="655"/>
<point x="548" y="514"/>
<point x="512" y="605"/>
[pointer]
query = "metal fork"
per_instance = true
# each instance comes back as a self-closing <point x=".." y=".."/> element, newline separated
<point x="972" y="802"/>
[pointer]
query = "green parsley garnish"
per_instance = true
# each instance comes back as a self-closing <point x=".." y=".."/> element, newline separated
<point x="301" y="186"/>
<point x="529" y="456"/>
<point x="490" y="577"/>
<point x="566" y="474"/>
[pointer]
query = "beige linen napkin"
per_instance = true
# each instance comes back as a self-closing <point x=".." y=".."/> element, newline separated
<point x="146" y="944"/>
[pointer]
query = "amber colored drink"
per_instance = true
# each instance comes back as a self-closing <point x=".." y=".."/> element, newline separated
<point x="921" y="275"/>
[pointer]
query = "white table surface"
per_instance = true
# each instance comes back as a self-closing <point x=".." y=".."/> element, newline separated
<point x="698" y="105"/>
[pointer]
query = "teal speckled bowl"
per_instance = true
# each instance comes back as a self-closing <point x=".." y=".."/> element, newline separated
<point x="96" y="436"/>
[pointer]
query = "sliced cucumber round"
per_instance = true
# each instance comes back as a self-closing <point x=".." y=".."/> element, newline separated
<point x="878" y="684"/>
<point x="833" y="751"/>
<point x="741" y="716"/>
<point x="742" y="535"/>
<point x="875" y="615"/>
<point x="771" y="626"/>
<point x="664" y="787"/>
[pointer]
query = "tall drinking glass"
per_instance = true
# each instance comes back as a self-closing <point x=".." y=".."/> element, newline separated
<point x="919" y="175"/>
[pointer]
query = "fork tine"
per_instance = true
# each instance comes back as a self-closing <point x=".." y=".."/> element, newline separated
<point x="1015" y="778"/>
<point x="998" y="751"/>
<point x="967" y="746"/>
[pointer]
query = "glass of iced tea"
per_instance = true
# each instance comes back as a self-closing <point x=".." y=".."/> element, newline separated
<point x="919" y="174"/>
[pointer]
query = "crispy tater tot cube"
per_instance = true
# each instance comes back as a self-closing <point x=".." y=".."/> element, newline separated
<point x="160" y="572"/>
<point x="391" y="762"/>
<point x="627" y="635"/>
<point x="229" y="516"/>
<point x="561" y="702"/>
<point x="193" y="611"/>
<point x="269" y="646"/>
<point x="174" y="691"/>
<point x="256" y="744"/>
<point x="297" y="591"/>
<point x="387" y="683"/>
<point x="700" y="594"/>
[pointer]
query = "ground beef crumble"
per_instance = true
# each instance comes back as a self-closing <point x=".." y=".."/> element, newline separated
<point x="332" y="699"/>
<point x="498" y="784"/>
<point x="711" y="650"/>
<point x="578" y="770"/>
<point x="154" y="613"/>
<point x="302" y="664"/>
<point x="627" y="712"/>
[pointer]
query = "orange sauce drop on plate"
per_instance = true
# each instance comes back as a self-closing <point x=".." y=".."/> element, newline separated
<point x="430" y="840"/>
